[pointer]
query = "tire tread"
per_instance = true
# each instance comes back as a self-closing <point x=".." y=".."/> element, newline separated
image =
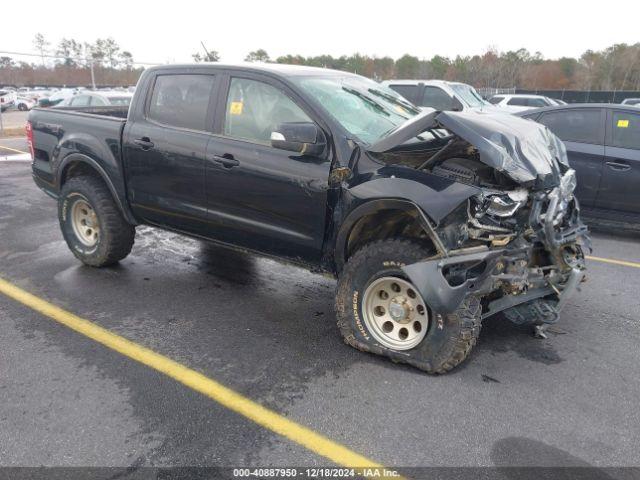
<point x="466" y="319"/>
<point x="119" y="234"/>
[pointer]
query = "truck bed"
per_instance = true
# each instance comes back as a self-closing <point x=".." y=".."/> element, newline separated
<point x="90" y="132"/>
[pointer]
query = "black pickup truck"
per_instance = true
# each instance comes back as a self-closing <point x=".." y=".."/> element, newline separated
<point x="431" y="221"/>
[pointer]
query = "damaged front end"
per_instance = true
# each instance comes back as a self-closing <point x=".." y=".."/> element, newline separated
<point x="518" y="243"/>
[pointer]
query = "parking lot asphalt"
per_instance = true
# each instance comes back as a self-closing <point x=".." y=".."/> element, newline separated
<point x="268" y="331"/>
<point x="13" y="146"/>
<point x="14" y="118"/>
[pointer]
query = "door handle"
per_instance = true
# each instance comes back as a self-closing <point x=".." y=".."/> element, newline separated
<point x="145" y="143"/>
<point x="226" y="160"/>
<point x="621" y="167"/>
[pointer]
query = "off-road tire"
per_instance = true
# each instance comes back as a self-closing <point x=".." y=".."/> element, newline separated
<point x="449" y="338"/>
<point x="116" y="234"/>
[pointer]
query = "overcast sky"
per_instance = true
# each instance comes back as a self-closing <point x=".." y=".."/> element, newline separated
<point x="161" y="31"/>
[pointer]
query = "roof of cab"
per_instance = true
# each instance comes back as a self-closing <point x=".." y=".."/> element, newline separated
<point x="278" y="69"/>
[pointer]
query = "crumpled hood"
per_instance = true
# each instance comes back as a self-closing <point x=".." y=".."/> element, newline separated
<point x="522" y="149"/>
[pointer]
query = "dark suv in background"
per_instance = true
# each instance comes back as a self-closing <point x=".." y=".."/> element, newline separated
<point x="603" y="146"/>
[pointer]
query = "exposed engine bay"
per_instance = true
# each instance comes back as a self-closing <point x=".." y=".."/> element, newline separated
<point x="518" y="242"/>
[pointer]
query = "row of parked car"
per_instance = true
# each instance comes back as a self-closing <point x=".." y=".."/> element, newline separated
<point x="25" y="99"/>
<point x="444" y="95"/>
<point x="602" y="140"/>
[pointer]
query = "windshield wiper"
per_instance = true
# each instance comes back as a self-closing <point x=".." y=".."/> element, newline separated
<point x="397" y="101"/>
<point x="367" y="99"/>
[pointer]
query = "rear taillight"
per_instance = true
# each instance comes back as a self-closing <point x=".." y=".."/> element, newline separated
<point x="29" y="130"/>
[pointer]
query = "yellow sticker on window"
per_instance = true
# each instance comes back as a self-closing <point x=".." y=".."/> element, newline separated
<point x="235" y="108"/>
<point x="623" y="123"/>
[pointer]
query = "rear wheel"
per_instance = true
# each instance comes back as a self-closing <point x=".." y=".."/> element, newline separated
<point x="380" y="311"/>
<point x="22" y="107"/>
<point x="91" y="223"/>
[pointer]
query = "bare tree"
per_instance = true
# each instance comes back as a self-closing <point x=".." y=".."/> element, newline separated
<point x="111" y="50"/>
<point x="41" y="45"/>
<point x="126" y="59"/>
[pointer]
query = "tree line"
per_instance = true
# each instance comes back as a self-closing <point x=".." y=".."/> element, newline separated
<point x="69" y="62"/>
<point x="614" y="68"/>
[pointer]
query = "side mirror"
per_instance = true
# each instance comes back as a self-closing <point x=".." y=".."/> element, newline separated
<point x="300" y="137"/>
<point x="456" y="105"/>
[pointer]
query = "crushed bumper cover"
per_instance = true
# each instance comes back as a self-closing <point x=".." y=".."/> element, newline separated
<point x="544" y="298"/>
<point x="429" y="278"/>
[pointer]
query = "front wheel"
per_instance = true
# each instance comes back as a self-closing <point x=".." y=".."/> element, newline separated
<point x="91" y="223"/>
<point x="380" y="311"/>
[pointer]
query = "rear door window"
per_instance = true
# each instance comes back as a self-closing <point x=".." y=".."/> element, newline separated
<point x="437" y="98"/>
<point x="181" y="101"/>
<point x="410" y="92"/>
<point x="581" y="125"/>
<point x="625" y="130"/>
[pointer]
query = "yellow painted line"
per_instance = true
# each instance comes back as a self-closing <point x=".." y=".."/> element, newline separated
<point x="225" y="396"/>
<point x="613" y="261"/>
<point x="12" y="149"/>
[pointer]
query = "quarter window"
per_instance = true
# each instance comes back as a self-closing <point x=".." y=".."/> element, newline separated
<point x="255" y="109"/>
<point x="583" y="125"/>
<point x="625" y="130"/>
<point x="181" y="101"/>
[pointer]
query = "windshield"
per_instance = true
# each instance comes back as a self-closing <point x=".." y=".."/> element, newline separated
<point x="468" y="95"/>
<point x="363" y="107"/>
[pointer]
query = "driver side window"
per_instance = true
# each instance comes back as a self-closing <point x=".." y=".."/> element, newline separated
<point x="255" y="109"/>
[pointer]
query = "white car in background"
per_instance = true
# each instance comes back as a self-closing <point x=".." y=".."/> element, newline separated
<point x="631" y="101"/>
<point x="56" y="97"/>
<point x="25" y="104"/>
<point x="513" y="103"/>
<point x="101" y="98"/>
<point x="7" y="99"/>
<point x="440" y="94"/>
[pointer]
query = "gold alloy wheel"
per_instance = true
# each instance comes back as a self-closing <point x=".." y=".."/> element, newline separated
<point x="395" y="314"/>
<point x="85" y="223"/>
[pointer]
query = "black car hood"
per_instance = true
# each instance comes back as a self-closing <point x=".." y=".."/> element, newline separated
<point x="522" y="149"/>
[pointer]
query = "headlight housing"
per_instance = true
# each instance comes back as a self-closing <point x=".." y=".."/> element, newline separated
<point x="505" y="204"/>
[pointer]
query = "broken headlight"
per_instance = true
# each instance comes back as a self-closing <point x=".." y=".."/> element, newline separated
<point x="568" y="183"/>
<point x="504" y="204"/>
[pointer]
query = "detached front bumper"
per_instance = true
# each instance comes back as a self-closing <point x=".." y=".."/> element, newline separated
<point x="443" y="297"/>
<point x="509" y="277"/>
